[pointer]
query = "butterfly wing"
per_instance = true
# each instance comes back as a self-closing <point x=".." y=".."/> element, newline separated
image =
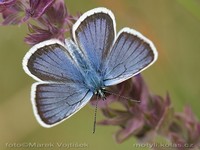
<point x="50" y="61"/>
<point x="94" y="33"/>
<point x="130" y="54"/>
<point x="55" y="102"/>
<point x="60" y="92"/>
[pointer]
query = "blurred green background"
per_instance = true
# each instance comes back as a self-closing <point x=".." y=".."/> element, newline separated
<point x="173" y="26"/>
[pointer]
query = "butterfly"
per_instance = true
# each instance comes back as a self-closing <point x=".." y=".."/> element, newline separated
<point x="69" y="73"/>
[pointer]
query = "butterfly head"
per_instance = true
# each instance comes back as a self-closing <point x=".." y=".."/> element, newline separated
<point x="101" y="93"/>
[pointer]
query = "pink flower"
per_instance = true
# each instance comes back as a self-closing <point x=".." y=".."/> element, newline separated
<point x="135" y="119"/>
<point x="6" y="4"/>
<point x="52" y="24"/>
<point x="19" y="11"/>
<point x="14" y="13"/>
<point x="38" y="7"/>
<point x="185" y="129"/>
<point x="50" y="17"/>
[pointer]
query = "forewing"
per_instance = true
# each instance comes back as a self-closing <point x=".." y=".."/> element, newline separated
<point x="50" y="61"/>
<point x="53" y="102"/>
<point x="94" y="33"/>
<point x="131" y="53"/>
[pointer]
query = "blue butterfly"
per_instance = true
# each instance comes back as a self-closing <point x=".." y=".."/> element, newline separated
<point x="70" y="73"/>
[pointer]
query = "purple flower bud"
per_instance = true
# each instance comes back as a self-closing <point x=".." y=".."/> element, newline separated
<point x="38" y="7"/>
<point x="6" y="4"/>
<point x="38" y="34"/>
<point x="136" y="119"/>
<point x="14" y="13"/>
<point x="19" y="11"/>
<point x="132" y="127"/>
<point x="52" y="22"/>
<point x="153" y="116"/>
<point x="185" y="129"/>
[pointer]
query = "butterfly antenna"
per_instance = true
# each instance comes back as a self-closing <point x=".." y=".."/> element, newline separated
<point x="95" y="115"/>
<point x="126" y="98"/>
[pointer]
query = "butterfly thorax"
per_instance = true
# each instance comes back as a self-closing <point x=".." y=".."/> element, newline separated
<point x="94" y="81"/>
<point x="92" y="78"/>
